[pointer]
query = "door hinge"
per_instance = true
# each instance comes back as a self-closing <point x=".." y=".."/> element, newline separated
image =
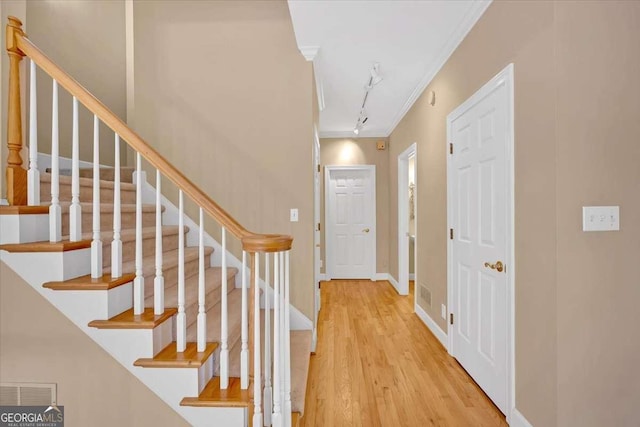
<point x="318" y="168"/>
<point x="318" y="226"/>
<point x="451" y="148"/>
<point x="451" y="233"/>
<point x="451" y="318"/>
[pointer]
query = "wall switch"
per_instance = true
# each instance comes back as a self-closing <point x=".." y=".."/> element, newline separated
<point x="600" y="218"/>
<point x="294" y="215"/>
<point x="443" y="311"/>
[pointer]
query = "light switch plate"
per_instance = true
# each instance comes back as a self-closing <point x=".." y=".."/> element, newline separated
<point x="443" y="311"/>
<point x="294" y="215"/>
<point x="600" y="218"/>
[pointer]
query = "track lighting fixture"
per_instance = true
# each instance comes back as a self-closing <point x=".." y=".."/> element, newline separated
<point x="374" y="79"/>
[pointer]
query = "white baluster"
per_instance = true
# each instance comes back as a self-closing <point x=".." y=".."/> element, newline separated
<point x="280" y="378"/>
<point x="96" y="243"/>
<point x="224" y="329"/>
<point x="75" y="210"/>
<point x="181" y="321"/>
<point x="276" y="417"/>
<point x="138" y="282"/>
<point x="116" y="245"/>
<point x="244" y="352"/>
<point x="287" y="346"/>
<point x="55" y="213"/>
<point x="202" y="315"/>
<point x="257" y="376"/>
<point x="158" y="281"/>
<point x="33" y="176"/>
<point x="268" y="400"/>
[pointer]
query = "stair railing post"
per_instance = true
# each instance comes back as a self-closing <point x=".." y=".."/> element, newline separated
<point x="96" y="243"/>
<point x="33" y="175"/>
<point x="244" y="334"/>
<point x="257" y="375"/>
<point x="116" y="245"/>
<point x="16" y="174"/>
<point x="55" y="212"/>
<point x="158" y="281"/>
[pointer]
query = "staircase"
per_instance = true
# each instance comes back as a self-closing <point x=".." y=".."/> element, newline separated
<point x="208" y="333"/>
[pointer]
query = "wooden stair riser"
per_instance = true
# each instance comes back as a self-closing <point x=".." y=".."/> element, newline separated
<point x="169" y="242"/>
<point x="128" y="220"/>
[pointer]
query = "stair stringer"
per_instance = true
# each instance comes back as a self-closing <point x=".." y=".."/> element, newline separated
<point x="124" y="345"/>
<point x="298" y="321"/>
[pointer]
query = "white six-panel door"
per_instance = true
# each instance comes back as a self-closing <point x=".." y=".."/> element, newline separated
<point x="479" y="216"/>
<point x="351" y="222"/>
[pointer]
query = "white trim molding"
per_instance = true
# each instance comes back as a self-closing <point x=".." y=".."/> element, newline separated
<point x="312" y="54"/>
<point x="432" y="325"/>
<point x="518" y="420"/>
<point x="389" y="278"/>
<point x="403" y="217"/>
<point x="370" y="133"/>
<point x="469" y="21"/>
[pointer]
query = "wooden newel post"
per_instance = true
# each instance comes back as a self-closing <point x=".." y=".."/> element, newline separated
<point x="16" y="174"/>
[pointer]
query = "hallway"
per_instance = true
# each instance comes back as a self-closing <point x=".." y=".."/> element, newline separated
<point x="377" y="364"/>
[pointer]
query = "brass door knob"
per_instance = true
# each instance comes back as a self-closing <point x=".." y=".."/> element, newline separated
<point x="497" y="266"/>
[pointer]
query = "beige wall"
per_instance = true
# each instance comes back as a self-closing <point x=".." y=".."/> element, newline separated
<point x="223" y="92"/>
<point x="361" y="151"/>
<point x="94" y="388"/>
<point x="86" y="39"/>
<point x="577" y="133"/>
<point x="598" y="163"/>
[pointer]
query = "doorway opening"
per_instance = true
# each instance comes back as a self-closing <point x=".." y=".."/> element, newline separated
<point x="407" y="218"/>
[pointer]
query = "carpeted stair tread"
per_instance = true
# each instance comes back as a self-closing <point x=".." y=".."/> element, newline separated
<point x="234" y="306"/>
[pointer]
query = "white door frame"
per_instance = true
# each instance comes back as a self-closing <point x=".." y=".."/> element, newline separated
<point x="327" y="235"/>
<point x="503" y="77"/>
<point x="316" y="235"/>
<point x="403" y="218"/>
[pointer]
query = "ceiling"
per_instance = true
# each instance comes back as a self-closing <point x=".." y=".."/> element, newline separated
<point x="410" y="39"/>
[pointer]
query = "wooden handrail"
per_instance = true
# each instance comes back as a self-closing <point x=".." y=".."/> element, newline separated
<point x="22" y="46"/>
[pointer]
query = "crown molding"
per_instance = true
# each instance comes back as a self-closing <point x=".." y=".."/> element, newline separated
<point x="469" y="21"/>
<point x="373" y="133"/>
<point x="309" y="52"/>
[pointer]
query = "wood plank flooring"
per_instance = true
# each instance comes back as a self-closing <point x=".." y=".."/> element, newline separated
<point x="377" y="364"/>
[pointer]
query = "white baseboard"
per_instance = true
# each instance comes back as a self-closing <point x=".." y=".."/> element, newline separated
<point x="518" y="420"/>
<point x="388" y="277"/>
<point x="4" y="202"/>
<point x="412" y="276"/>
<point x="322" y="277"/>
<point x="432" y="325"/>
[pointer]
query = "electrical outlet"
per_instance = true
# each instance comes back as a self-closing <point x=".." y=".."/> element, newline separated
<point x="321" y="263"/>
<point x="443" y="311"/>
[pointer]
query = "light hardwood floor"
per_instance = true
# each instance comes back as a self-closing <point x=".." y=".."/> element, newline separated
<point x="377" y="364"/>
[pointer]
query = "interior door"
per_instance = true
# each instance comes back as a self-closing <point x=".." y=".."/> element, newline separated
<point x="480" y="180"/>
<point x="351" y="216"/>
